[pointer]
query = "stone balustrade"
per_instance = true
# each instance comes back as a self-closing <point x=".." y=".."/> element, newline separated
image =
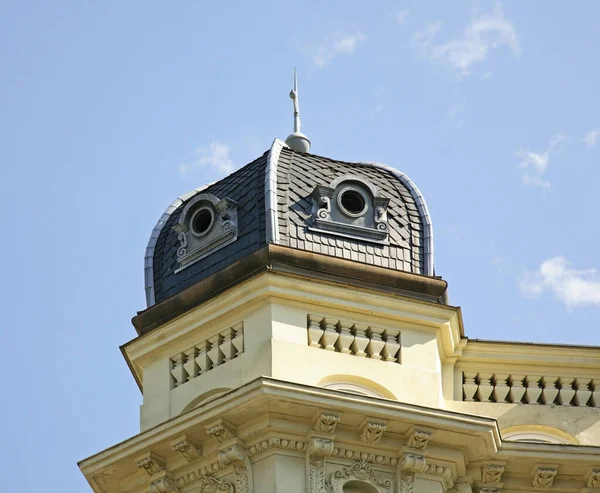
<point x="208" y="354"/>
<point x="530" y="389"/>
<point x="357" y="339"/>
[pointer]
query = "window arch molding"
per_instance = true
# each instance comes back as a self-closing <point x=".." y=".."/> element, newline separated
<point x="537" y="434"/>
<point x="356" y="385"/>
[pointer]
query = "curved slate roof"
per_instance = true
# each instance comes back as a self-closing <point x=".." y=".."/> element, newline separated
<point x="273" y="196"/>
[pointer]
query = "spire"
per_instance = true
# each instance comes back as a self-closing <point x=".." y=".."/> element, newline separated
<point x="297" y="141"/>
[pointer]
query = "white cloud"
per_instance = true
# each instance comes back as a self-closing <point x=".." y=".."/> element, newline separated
<point x="591" y="138"/>
<point x="338" y="44"/>
<point x="401" y="16"/>
<point x="423" y="38"/>
<point x="570" y="286"/>
<point x="215" y="157"/>
<point x="535" y="164"/>
<point x="483" y="34"/>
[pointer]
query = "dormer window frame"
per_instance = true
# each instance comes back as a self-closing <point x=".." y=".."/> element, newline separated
<point x="331" y="216"/>
<point x="222" y="230"/>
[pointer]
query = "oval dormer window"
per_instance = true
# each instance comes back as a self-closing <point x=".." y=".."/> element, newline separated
<point x="352" y="202"/>
<point x="202" y="221"/>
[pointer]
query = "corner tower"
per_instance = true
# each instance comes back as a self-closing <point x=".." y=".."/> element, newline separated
<point x="296" y="339"/>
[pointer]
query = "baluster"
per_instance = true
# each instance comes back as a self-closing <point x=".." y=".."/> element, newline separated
<point x="214" y="353"/>
<point x="330" y="334"/>
<point x="190" y="364"/>
<point x="391" y="350"/>
<point x="567" y="391"/>
<point x="470" y="385"/>
<point x="202" y="359"/>
<point x="376" y="343"/>
<point x="583" y="392"/>
<point x="533" y="390"/>
<point x="517" y="388"/>
<point x="360" y="340"/>
<point x="486" y="387"/>
<point x="550" y="389"/>
<point x="595" y="399"/>
<point x="315" y="332"/>
<point x="238" y="339"/>
<point x="501" y="388"/>
<point x="178" y="371"/>
<point x="226" y="346"/>
<point x="346" y="337"/>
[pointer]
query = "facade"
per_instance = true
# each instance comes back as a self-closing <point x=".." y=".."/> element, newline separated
<point x="297" y="339"/>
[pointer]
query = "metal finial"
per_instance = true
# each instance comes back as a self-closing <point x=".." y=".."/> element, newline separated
<point x="297" y="141"/>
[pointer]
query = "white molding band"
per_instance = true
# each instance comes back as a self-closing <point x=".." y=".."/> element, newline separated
<point x="421" y="207"/>
<point x="271" y="191"/>
<point x="149" y="256"/>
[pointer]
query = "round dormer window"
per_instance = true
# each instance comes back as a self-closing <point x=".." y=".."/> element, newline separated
<point x="352" y="202"/>
<point x="202" y="221"/>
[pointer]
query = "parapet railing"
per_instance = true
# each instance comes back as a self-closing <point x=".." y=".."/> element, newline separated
<point x="530" y="389"/>
<point x="362" y="340"/>
<point x="208" y="354"/>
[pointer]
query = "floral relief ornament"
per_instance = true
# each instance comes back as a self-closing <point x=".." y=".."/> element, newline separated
<point x="327" y="423"/>
<point x="418" y="440"/>
<point x="544" y="477"/>
<point x="361" y="471"/>
<point x="492" y="473"/>
<point x="594" y="480"/>
<point x="372" y="432"/>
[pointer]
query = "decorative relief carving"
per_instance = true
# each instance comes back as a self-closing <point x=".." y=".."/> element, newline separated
<point x="163" y="485"/>
<point x="210" y="484"/>
<point x="492" y="473"/>
<point x="186" y="448"/>
<point x="278" y="443"/>
<point x="320" y="446"/>
<point x="242" y="482"/>
<point x="407" y="483"/>
<point x="195" y="476"/>
<point x="372" y="431"/>
<point x="316" y="476"/>
<point x="594" y="479"/>
<point x="326" y="423"/>
<point x="543" y="477"/>
<point x="151" y="463"/>
<point x="413" y="463"/>
<point x="360" y="471"/>
<point x="381" y="460"/>
<point x="440" y="471"/>
<point x="462" y="487"/>
<point x="221" y="432"/>
<point x="418" y="439"/>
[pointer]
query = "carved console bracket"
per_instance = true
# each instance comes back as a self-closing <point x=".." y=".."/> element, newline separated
<point x="543" y="477"/>
<point x="320" y="444"/>
<point x="326" y="422"/>
<point x="409" y="465"/>
<point x="418" y="438"/>
<point x="232" y="453"/>
<point x="371" y="430"/>
<point x="154" y="465"/>
<point x="593" y="482"/>
<point x="491" y="477"/>
<point x="187" y="448"/>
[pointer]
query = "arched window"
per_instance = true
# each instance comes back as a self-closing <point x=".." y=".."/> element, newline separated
<point x="356" y="385"/>
<point x="537" y="434"/>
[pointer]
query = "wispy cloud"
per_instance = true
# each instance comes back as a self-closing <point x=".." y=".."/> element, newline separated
<point x="423" y="38"/>
<point x="591" y="138"/>
<point x="401" y="16"/>
<point x="570" y="286"/>
<point x="338" y="44"/>
<point x="215" y="157"/>
<point x="535" y="164"/>
<point x="483" y="34"/>
<point x="453" y="116"/>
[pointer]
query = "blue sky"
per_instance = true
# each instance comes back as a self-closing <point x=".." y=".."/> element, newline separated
<point x="109" y="110"/>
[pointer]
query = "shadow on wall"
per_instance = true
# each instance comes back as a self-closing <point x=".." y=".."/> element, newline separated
<point x="356" y="385"/>
<point x="204" y="398"/>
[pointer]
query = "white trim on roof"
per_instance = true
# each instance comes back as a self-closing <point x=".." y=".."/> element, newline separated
<point x="421" y="207"/>
<point x="149" y="256"/>
<point x="271" y="191"/>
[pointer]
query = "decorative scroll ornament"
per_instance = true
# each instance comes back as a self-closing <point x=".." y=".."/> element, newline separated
<point x="594" y="479"/>
<point x="326" y="423"/>
<point x="220" y="432"/>
<point x="543" y="477"/>
<point x="492" y="473"/>
<point x="320" y="446"/>
<point x="163" y="485"/>
<point x="210" y="484"/>
<point x="418" y="440"/>
<point x="188" y="450"/>
<point x="360" y="471"/>
<point x="413" y="463"/>
<point x="462" y="487"/>
<point x="372" y="431"/>
<point x="151" y="463"/>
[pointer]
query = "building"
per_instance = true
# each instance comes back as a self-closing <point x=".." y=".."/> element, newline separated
<point x="297" y="339"/>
